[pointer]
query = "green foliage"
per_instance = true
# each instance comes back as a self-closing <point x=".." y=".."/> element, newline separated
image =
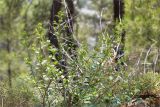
<point x="142" y="23"/>
<point x="148" y="82"/>
<point x="43" y="69"/>
<point x="20" y="95"/>
<point x="90" y="79"/>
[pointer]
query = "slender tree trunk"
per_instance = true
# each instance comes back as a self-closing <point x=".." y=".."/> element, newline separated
<point x="8" y="41"/>
<point x="43" y="101"/>
<point x="71" y="44"/>
<point x="70" y="41"/>
<point x="118" y="9"/>
<point x="119" y="14"/>
<point x="118" y="6"/>
<point x="9" y="65"/>
<point x="56" y="7"/>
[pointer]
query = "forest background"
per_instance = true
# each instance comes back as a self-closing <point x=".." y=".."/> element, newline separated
<point x="79" y="53"/>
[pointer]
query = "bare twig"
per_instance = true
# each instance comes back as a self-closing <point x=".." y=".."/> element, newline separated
<point x="155" y="61"/>
<point x="146" y="57"/>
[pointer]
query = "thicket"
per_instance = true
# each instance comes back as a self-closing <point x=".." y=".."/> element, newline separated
<point x="93" y="78"/>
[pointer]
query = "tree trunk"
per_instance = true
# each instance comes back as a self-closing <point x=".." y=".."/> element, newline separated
<point x="56" y="7"/>
<point x="9" y="65"/>
<point x="118" y="9"/>
<point x="68" y="35"/>
<point x="69" y="41"/>
<point x="118" y="16"/>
